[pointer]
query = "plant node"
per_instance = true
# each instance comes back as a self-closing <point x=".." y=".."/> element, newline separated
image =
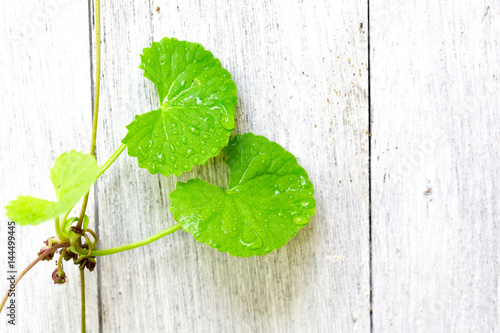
<point x="49" y="243"/>
<point x="81" y="253"/>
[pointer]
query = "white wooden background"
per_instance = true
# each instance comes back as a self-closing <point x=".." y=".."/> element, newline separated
<point x="392" y="105"/>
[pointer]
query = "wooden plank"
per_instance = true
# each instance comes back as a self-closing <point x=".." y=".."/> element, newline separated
<point x="46" y="110"/>
<point x="301" y="72"/>
<point x="435" y="165"/>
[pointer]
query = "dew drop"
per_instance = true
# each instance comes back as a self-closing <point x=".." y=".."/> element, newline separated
<point x="305" y="203"/>
<point x="195" y="130"/>
<point x="256" y="244"/>
<point x="300" y="220"/>
<point x="247" y="236"/>
<point x="227" y="123"/>
<point x="189" y="152"/>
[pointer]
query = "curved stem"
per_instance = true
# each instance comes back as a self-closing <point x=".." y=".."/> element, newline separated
<point x="76" y="246"/>
<point x="59" y="262"/>
<point x="82" y="292"/>
<point x="59" y="233"/>
<point x="65" y="217"/>
<point x="40" y="257"/>
<point x="89" y="244"/>
<point x="111" y="159"/>
<point x="96" y="239"/>
<point x="134" y="245"/>
<point x="96" y="98"/>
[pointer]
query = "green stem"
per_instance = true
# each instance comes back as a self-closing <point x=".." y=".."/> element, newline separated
<point x="65" y="217"/>
<point x="59" y="261"/>
<point x="111" y="159"/>
<point x="89" y="244"/>
<point x="96" y="239"/>
<point x="97" y="74"/>
<point x="59" y="233"/>
<point x="134" y="245"/>
<point x="82" y="292"/>
<point x="82" y="212"/>
<point x="96" y="98"/>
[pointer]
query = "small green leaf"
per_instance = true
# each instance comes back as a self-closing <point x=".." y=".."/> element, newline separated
<point x="268" y="199"/>
<point x="72" y="176"/>
<point x="196" y="117"/>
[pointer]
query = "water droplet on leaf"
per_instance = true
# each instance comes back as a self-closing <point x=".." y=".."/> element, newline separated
<point x="300" y="220"/>
<point x="227" y="123"/>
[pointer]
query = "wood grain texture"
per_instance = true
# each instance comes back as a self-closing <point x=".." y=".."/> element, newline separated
<point x="435" y="101"/>
<point x="46" y="110"/>
<point x="301" y="72"/>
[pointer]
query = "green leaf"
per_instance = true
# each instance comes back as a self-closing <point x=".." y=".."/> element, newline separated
<point x="72" y="176"/>
<point x="196" y="117"/>
<point x="268" y="199"/>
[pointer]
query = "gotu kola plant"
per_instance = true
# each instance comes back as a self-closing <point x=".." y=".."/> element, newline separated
<point x="268" y="199"/>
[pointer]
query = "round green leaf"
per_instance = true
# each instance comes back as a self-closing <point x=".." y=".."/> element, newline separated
<point x="72" y="175"/>
<point x="196" y="117"/>
<point x="268" y="199"/>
